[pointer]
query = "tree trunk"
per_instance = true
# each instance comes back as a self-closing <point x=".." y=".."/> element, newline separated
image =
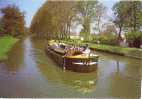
<point x="99" y="25"/>
<point x="86" y="27"/>
<point x="119" y="38"/>
<point x="134" y="15"/>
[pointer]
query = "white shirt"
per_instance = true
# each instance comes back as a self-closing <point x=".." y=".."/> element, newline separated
<point x="87" y="51"/>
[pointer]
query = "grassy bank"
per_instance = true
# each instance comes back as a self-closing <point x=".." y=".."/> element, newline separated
<point x="125" y="51"/>
<point x="131" y="52"/>
<point x="6" y="44"/>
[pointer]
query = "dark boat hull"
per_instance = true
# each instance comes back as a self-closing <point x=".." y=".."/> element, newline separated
<point x="57" y="57"/>
<point x="67" y="63"/>
<point x="78" y="67"/>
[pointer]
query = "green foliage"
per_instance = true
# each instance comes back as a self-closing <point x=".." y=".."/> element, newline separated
<point x="85" y="35"/>
<point x="128" y="15"/>
<point x="1" y="27"/>
<point x="129" y="18"/>
<point x="87" y="13"/>
<point x="73" y="41"/>
<point x="5" y="45"/>
<point x="131" y="52"/>
<point x="107" y="38"/>
<point x="55" y="19"/>
<point x="86" y="8"/>
<point x="95" y="38"/>
<point x="134" y="15"/>
<point x="134" y="38"/>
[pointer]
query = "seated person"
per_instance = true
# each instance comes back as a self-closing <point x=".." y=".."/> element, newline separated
<point x="54" y="46"/>
<point x="86" y="50"/>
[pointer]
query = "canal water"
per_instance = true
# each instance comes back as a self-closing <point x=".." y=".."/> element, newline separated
<point x="29" y="72"/>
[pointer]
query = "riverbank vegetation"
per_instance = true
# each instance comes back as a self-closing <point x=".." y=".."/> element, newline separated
<point x="128" y="18"/>
<point x="6" y="44"/>
<point x="56" y="20"/>
<point x="11" y="29"/>
<point x="12" y="22"/>
<point x="125" y="51"/>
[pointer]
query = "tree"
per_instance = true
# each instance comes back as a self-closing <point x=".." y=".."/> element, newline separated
<point x="86" y="12"/>
<point x="128" y="16"/>
<point x="110" y="28"/>
<point x="54" y="20"/>
<point x="108" y="36"/>
<point x="134" y="19"/>
<point x="134" y="39"/>
<point x="12" y="21"/>
<point x="100" y="12"/>
<point x="1" y="27"/>
<point x="120" y="9"/>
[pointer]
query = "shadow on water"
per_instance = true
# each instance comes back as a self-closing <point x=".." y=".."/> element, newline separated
<point x="30" y="71"/>
<point x="15" y="59"/>
<point x="81" y="82"/>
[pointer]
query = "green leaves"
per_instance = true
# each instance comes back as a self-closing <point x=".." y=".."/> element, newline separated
<point x="134" y="39"/>
<point x="131" y="36"/>
<point x="128" y="14"/>
<point x="87" y="13"/>
<point x="56" y="19"/>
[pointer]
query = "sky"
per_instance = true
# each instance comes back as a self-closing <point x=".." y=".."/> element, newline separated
<point x="30" y="7"/>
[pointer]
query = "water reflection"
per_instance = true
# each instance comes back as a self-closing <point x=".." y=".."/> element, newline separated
<point x="117" y="62"/>
<point x="129" y="67"/>
<point x="14" y="62"/>
<point x="123" y="80"/>
<point x="82" y="82"/>
<point x="34" y="74"/>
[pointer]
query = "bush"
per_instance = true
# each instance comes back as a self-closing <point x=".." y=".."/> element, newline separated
<point x="134" y="39"/>
<point x="108" y="38"/>
<point x="131" y="52"/>
<point x="95" y="39"/>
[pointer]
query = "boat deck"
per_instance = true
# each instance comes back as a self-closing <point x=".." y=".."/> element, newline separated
<point x="77" y="63"/>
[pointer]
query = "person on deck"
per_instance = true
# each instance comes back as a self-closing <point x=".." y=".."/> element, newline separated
<point x="86" y="50"/>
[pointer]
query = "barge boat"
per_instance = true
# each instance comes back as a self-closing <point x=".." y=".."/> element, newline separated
<point x="77" y="62"/>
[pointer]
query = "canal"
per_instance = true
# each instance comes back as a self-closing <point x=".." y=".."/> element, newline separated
<point x="29" y="72"/>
